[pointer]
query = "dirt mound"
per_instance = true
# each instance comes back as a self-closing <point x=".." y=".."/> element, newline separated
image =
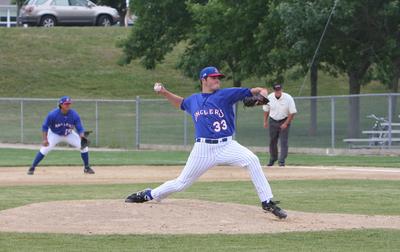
<point x="172" y="216"/>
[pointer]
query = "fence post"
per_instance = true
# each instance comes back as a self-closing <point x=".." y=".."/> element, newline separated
<point x="8" y="18"/>
<point x="97" y="123"/>
<point x="333" y="122"/>
<point x="137" y="122"/>
<point x="390" y="120"/>
<point x="185" y="129"/>
<point x="22" y="120"/>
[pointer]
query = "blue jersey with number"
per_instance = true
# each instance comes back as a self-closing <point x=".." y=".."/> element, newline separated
<point x="62" y="124"/>
<point x="212" y="114"/>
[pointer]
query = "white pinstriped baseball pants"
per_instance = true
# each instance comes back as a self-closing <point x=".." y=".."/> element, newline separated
<point x="73" y="139"/>
<point x="204" y="156"/>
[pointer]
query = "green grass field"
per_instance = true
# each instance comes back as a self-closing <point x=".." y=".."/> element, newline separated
<point x="22" y="157"/>
<point x="326" y="196"/>
<point x="353" y="240"/>
<point x="310" y="196"/>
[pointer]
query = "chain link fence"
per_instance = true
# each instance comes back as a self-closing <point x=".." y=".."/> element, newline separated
<point x="321" y="122"/>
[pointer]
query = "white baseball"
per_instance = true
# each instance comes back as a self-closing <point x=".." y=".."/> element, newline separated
<point x="157" y="87"/>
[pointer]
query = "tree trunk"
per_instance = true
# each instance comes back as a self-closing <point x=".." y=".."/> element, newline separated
<point x="237" y="83"/>
<point x="353" y="127"/>
<point x="395" y="87"/>
<point x="19" y="5"/>
<point x="313" y="103"/>
<point x="395" y="83"/>
<point x="236" y="78"/>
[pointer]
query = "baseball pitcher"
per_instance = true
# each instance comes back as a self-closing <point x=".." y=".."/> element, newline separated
<point x="213" y="117"/>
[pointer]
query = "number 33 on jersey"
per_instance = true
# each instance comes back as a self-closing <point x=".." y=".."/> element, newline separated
<point x="218" y="126"/>
<point x="212" y="113"/>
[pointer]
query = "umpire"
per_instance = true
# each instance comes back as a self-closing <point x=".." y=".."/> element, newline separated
<point x="278" y="114"/>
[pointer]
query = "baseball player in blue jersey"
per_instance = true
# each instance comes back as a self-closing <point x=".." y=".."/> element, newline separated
<point x="58" y="127"/>
<point x="213" y="117"/>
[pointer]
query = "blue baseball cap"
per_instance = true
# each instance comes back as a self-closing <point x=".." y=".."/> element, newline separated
<point x="65" y="100"/>
<point x="210" y="71"/>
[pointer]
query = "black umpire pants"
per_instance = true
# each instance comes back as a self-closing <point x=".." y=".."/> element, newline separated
<point x="275" y="134"/>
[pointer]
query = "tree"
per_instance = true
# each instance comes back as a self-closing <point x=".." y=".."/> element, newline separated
<point x="224" y="35"/>
<point x="159" y="27"/>
<point x="302" y="26"/>
<point x="19" y="4"/>
<point x="352" y="45"/>
<point x="387" y="63"/>
<point x="206" y="28"/>
<point x="356" y="37"/>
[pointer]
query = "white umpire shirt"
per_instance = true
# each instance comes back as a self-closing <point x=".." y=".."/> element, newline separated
<point x="280" y="108"/>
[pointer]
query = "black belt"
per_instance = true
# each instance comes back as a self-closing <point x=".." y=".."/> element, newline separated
<point x="212" y="141"/>
<point x="278" y="121"/>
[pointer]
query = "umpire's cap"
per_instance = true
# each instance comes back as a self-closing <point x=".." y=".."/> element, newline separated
<point x="210" y="72"/>
<point x="277" y="86"/>
<point x="65" y="100"/>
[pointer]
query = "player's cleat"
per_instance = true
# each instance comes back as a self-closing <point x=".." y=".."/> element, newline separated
<point x="281" y="163"/>
<point x="139" y="197"/>
<point x="31" y="171"/>
<point x="272" y="207"/>
<point x="271" y="162"/>
<point x="88" y="170"/>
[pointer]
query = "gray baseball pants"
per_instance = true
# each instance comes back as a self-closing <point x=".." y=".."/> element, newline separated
<point x="275" y="134"/>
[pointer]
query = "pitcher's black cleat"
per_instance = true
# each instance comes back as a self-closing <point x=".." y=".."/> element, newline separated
<point x="139" y="197"/>
<point x="272" y="207"/>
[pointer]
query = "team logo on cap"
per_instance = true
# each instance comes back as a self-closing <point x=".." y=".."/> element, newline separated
<point x="65" y="99"/>
<point x="210" y="71"/>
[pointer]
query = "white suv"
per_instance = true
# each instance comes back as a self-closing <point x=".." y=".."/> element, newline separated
<point x="50" y="13"/>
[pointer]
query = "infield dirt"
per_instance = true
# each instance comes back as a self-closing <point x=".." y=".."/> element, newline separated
<point x="148" y="174"/>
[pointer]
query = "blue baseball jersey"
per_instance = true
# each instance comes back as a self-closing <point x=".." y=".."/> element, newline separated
<point x="62" y="124"/>
<point x="212" y="114"/>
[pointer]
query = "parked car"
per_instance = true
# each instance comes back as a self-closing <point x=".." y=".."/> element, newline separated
<point x="49" y="13"/>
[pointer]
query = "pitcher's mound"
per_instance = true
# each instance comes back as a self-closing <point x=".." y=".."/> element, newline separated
<point x="172" y="216"/>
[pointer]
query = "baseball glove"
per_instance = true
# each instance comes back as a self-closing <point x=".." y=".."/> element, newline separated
<point x="255" y="100"/>
<point x="85" y="142"/>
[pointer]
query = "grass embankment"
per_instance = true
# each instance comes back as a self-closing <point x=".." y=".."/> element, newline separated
<point x="82" y="62"/>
